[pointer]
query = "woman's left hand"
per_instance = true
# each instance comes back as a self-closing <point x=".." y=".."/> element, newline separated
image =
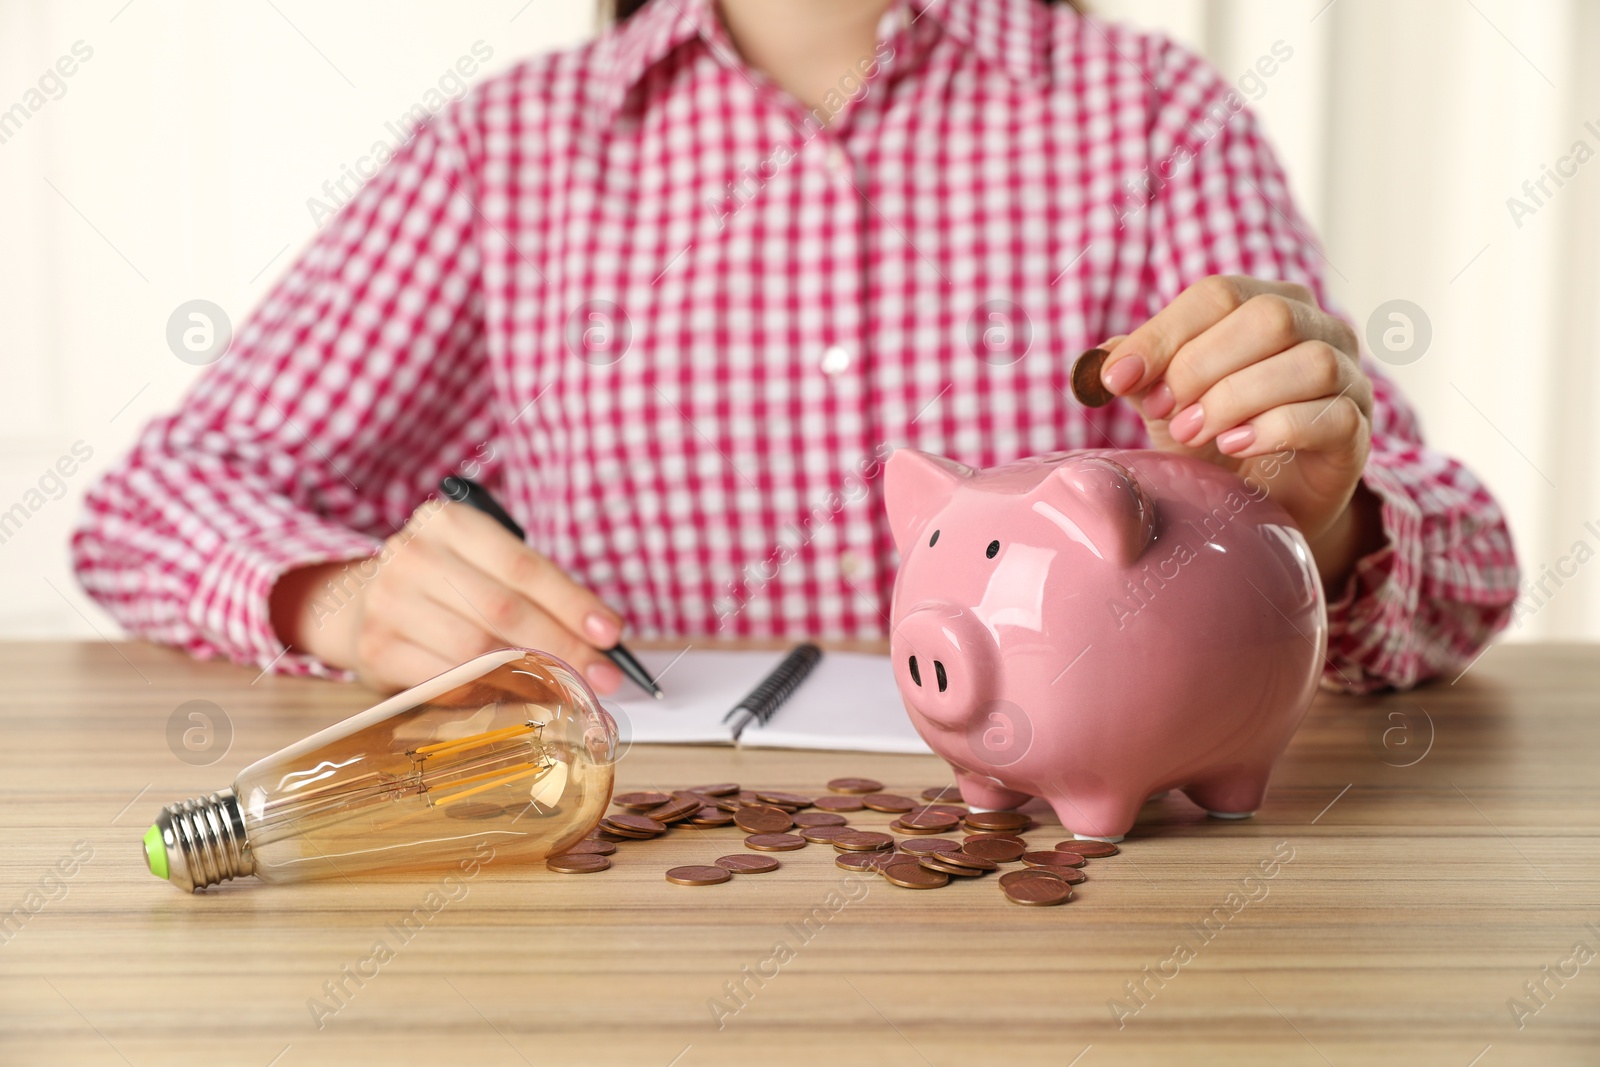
<point x="1252" y="375"/>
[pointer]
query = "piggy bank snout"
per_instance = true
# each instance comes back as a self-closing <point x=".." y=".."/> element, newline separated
<point x="945" y="663"/>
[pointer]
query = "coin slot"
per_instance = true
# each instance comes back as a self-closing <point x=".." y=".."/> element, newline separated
<point x="934" y="539"/>
<point x="938" y="672"/>
<point x="915" y="677"/>
<point x="993" y="549"/>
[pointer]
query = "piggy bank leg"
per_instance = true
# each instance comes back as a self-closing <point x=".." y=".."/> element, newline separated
<point x="983" y="795"/>
<point x="1098" y="819"/>
<point x="1235" y="797"/>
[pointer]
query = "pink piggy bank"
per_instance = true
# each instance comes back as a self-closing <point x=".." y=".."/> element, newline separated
<point x="1094" y="628"/>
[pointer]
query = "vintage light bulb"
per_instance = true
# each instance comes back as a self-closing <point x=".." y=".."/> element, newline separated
<point x="511" y="750"/>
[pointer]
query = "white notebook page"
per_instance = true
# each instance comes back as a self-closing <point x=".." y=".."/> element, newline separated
<point x="848" y="702"/>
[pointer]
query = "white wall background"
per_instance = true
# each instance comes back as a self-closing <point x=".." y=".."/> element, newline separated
<point x="178" y="162"/>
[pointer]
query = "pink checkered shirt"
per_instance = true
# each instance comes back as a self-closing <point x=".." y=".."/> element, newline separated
<point x="676" y="325"/>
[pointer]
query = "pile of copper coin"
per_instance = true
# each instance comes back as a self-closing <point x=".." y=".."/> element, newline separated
<point x="776" y="821"/>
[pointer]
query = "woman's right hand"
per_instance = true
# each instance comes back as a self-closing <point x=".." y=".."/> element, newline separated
<point x="452" y="584"/>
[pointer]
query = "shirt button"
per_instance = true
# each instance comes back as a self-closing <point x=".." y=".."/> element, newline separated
<point x="835" y="360"/>
<point x="849" y="564"/>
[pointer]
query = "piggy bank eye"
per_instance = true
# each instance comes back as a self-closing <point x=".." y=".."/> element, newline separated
<point x="934" y="539"/>
<point x="993" y="550"/>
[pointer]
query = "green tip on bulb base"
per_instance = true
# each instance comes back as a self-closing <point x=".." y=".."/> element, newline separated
<point x="155" y="852"/>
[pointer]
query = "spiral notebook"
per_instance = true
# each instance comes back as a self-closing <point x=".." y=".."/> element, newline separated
<point x="847" y="703"/>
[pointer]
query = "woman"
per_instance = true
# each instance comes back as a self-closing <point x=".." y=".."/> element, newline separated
<point x="676" y="293"/>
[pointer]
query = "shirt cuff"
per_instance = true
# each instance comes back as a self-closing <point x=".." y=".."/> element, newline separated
<point x="231" y="604"/>
<point x="1370" y="620"/>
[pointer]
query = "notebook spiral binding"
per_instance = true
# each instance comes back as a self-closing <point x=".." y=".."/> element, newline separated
<point x="765" y="700"/>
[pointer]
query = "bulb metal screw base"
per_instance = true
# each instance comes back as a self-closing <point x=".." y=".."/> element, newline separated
<point x="200" y="842"/>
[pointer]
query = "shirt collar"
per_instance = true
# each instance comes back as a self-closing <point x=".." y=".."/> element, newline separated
<point x="1012" y="34"/>
<point x="628" y="52"/>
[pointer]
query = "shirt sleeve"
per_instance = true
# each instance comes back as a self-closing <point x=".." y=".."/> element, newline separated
<point x="1215" y="201"/>
<point x="358" y="383"/>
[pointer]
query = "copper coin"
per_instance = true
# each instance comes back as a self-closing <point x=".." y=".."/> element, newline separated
<point x="581" y="863"/>
<point x="729" y="804"/>
<point x="639" y="801"/>
<point x="1052" y="859"/>
<point x="967" y="859"/>
<point x="591" y="848"/>
<point x="822" y="835"/>
<point x="632" y="825"/>
<point x="937" y="821"/>
<point x="475" y="810"/>
<point x="1086" y="384"/>
<point x="855" y="785"/>
<point x="698" y="875"/>
<point x="915" y="876"/>
<point x="1038" y="892"/>
<point x="866" y="861"/>
<point x="995" y="836"/>
<point x="936" y="862"/>
<point x="945" y="809"/>
<point x="674" y="810"/>
<point x="748" y="796"/>
<point x="995" y="848"/>
<point x="819" y="818"/>
<point x="792" y="800"/>
<point x="930" y="846"/>
<point x="889" y="802"/>
<point x="1060" y="874"/>
<point x="774" y="842"/>
<point x="711" y="817"/>
<point x="862" y="841"/>
<point x="721" y="789"/>
<point x="997" y="820"/>
<point x="901" y="828"/>
<point x="762" y="819"/>
<point x="1092" y="850"/>
<point x="839" y="803"/>
<point x="947" y="793"/>
<point x="607" y="835"/>
<point x="747" y="864"/>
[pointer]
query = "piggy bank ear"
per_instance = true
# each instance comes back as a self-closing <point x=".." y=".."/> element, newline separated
<point x="915" y="485"/>
<point x="1099" y="504"/>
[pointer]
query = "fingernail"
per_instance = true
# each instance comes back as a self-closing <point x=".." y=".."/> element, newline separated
<point x="602" y="629"/>
<point x="1236" y="440"/>
<point x="1126" y="373"/>
<point x="1187" y="424"/>
<point x="604" y="677"/>
<point x="1159" y="402"/>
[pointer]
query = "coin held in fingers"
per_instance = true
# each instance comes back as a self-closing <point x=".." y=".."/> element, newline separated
<point x="1086" y="383"/>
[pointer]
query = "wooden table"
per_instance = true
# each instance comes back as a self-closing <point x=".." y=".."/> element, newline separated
<point x="1434" y="871"/>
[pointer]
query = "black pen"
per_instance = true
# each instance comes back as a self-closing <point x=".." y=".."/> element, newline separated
<point x="466" y="491"/>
